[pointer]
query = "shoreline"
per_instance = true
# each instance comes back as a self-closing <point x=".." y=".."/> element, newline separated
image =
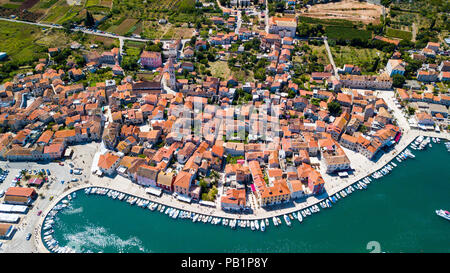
<point x="408" y="138"/>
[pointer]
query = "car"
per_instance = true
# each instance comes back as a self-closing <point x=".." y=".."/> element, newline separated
<point x="62" y="181"/>
<point x="28" y="236"/>
<point x="48" y="172"/>
<point x="74" y="179"/>
<point x="71" y="171"/>
<point x="2" y="192"/>
<point x="51" y="198"/>
<point x="61" y="164"/>
<point x="39" y="213"/>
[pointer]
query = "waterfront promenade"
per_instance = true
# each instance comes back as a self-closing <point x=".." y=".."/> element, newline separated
<point x="126" y="186"/>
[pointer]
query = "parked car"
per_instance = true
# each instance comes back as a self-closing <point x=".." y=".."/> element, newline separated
<point x="28" y="236"/>
<point x="39" y="213"/>
<point x="61" y="164"/>
<point x="2" y="192"/>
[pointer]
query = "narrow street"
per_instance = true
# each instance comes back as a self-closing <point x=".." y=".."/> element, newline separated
<point x="330" y="57"/>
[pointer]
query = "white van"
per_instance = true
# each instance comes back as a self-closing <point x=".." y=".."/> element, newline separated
<point x="2" y="192"/>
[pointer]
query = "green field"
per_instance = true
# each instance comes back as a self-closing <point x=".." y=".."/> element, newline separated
<point x="11" y="6"/>
<point x="46" y="4"/>
<point x="331" y="22"/>
<point x="397" y="33"/>
<point x="364" y="57"/>
<point x="124" y="26"/>
<point x="347" y="33"/>
<point x="19" y="42"/>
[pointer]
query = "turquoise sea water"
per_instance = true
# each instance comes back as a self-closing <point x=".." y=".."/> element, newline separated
<point x="397" y="211"/>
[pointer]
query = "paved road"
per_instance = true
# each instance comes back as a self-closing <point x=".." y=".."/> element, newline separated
<point x="29" y="220"/>
<point x="266" y="17"/>
<point x="238" y="23"/>
<point x="330" y="57"/>
<point x="121" y="46"/>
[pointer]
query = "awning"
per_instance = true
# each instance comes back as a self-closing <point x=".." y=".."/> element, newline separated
<point x="154" y="191"/>
<point x="207" y="203"/>
<point x="184" y="198"/>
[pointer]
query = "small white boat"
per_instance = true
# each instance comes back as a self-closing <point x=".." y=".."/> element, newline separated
<point x="286" y="219"/>
<point x="299" y="217"/>
<point x="252" y="225"/>
<point x="443" y="213"/>
<point x="256" y="225"/>
<point x="275" y="222"/>
<point x="263" y="225"/>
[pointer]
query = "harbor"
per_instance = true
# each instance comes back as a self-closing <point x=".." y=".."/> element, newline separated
<point x="288" y="220"/>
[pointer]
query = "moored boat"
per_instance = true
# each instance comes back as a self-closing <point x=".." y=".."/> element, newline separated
<point x="263" y="225"/>
<point x="286" y="219"/>
<point x="299" y="217"/>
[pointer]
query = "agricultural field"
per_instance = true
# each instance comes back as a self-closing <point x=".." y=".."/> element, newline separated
<point x="397" y="33"/>
<point x="18" y="4"/>
<point x="43" y="5"/>
<point x="133" y="48"/>
<point x="124" y="26"/>
<point x="24" y="43"/>
<point x="178" y="33"/>
<point x="351" y="10"/>
<point x="61" y="11"/>
<point x="220" y="69"/>
<point x="347" y="33"/>
<point x="338" y="28"/>
<point x="364" y="57"/>
<point x="20" y="42"/>
<point x="104" y="41"/>
<point x="149" y="12"/>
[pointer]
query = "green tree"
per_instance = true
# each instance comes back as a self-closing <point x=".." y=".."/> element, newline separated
<point x="363" y="128"/>
<point x="398" y="80"/>
<point x="89" y="21"/>
<point x="335" y="108"/>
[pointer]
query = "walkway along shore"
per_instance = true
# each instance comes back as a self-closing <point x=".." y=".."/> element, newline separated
<point x="139" y="192"/>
